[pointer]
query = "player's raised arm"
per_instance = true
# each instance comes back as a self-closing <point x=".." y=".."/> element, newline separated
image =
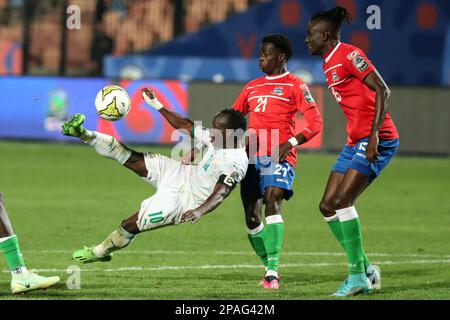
<point x="222" y="189"/>
<point x="175" y="120"/>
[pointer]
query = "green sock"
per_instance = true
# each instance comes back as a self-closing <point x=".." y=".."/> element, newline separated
<point x="257" y="242"/>
<point x="11" y="250"/>
<point x="274" y="241"/>
<point x="366" y="260"/>
<point x="336" y="229"/>
<point x="351" y="231"/>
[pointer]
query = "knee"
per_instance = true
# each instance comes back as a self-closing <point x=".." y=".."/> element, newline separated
<point x="130" y="226"/>
<point x="252" y="209"/>
<point x="326" y="208"/>
<point x="341" y="202"/>
<point x="252" y="221"/>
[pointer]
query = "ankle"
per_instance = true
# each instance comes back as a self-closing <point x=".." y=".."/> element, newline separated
<point x="271" y="273"/>
<point x="19" y="272"/>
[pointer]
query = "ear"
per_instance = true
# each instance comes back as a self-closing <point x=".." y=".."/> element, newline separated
<point x="282" y="57"/>
<point x="325" y="36"/>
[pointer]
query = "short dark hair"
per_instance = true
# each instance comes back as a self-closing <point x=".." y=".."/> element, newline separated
<point x="281" y="42"/>
<point x="335" y="17"/>
<point x="235" y="119"/>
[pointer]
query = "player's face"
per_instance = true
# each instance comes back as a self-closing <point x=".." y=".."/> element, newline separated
<point x="269" y="58"/>
<point x="316" y="37"/>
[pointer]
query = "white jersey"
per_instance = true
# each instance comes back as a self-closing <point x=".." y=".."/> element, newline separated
<point x="183" y="187"/>
<point x="215" y="162"/>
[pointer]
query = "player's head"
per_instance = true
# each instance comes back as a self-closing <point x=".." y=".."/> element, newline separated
<point x="325" y="27"/>
<point x="275" y="51"/>
<point x="230" y="125"/>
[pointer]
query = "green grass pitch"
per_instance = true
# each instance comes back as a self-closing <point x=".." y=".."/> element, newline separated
<point x="62" y="196"/>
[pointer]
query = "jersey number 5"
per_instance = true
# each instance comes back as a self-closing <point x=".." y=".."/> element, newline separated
<point x="336" y="95"/>
<point x="262" y="102"/>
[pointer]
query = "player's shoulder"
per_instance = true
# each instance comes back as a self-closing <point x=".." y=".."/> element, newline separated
<point x="295" y="80"/>
<point x="236" y="154"/>
<point x="256" y="81"/>
<point x="234" y="158"/>
<point x="240" y="160"/>
<point x="350" y="51"/>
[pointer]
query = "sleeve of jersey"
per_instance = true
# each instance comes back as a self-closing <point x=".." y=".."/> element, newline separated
<point x="357" y="64"/>
<point x="241" y="103"/>
<point x="237" y="170"/>
<point x="231" y="179"/>
<point x="201" y="134"/>
<point x="315" y="123"/>
<point x="308" y="107"/>
<point x="304" y="98"/>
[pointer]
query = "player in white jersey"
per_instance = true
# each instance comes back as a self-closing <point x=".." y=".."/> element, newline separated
<point x="184" y="192"/>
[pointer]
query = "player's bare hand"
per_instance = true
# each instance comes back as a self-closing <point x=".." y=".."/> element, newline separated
<point x="372" y="148"/>
<point x="191" y="215"/>
<point x="281" y="152"/>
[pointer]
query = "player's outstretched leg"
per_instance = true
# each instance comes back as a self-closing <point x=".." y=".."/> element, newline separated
<point x="118" y="239"/>
<point x="104" y="144"/>
<point x="22" y="280"/>
<point x="86" y="255"/>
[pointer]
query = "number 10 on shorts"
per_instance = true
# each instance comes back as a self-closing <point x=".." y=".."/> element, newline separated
<point x="153" y="218"/>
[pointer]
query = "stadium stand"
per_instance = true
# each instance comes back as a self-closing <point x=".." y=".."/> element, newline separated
<point x="132" y="26"/>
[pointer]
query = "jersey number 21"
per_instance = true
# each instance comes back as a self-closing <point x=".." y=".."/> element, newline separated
<point x="262" y="102"/>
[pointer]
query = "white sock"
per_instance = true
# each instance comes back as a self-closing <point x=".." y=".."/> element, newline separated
<point x="332" y="218"/>
<point x="271" y="273"/>
<point x="6" y="238"/>
<point x="347" y="214"/>
<point x="276" y="218"/>
<point x="19" y="272"/>
<point x="256" y="230"/>
<point x="117" y="240"/>
<point x="107" y="146"/>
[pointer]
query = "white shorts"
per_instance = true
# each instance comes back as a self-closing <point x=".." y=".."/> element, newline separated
<point x="173" y="196"/>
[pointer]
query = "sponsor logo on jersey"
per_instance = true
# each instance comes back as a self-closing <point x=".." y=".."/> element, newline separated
<point x="335" y="76"/>
<point x="360" y="63"/>
<point x="353" y="54"/>
<point x="277" y="91"/>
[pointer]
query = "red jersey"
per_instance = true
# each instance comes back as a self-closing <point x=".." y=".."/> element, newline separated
<point x="273" y="103"/>
<point x="345" y="68"/>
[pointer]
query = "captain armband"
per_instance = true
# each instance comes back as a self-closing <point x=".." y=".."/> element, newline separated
<point x="230" y="180"/>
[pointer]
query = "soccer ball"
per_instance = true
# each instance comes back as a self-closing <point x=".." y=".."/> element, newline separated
<point x="112" y="103"/>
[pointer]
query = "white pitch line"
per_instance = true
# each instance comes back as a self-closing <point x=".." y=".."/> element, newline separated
<point x="239" y="266"/>
<point x="288" y="253"/>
